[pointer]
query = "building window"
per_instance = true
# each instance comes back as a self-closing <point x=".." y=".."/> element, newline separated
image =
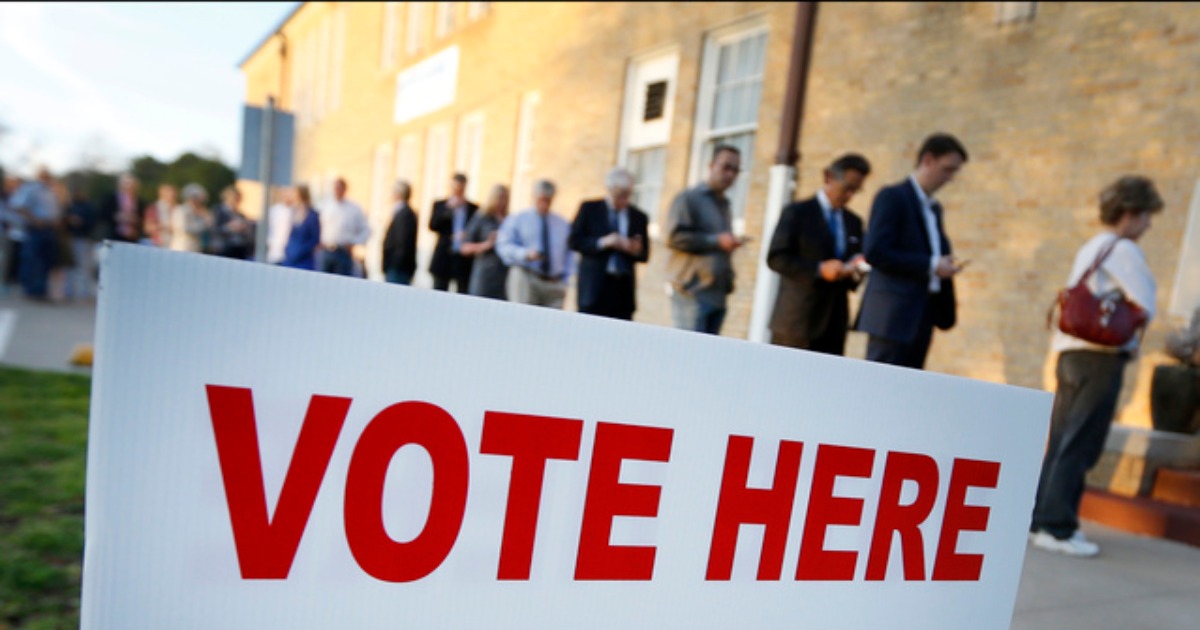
<point x="727" y="112"/>
<point x="1007" y="12"/>
<point x="1185" y="298"/>
<point x="321" y="68"/>
<point x="478" y="10"/>
<point x="380" y="210"/>
<point x="444" y="22"/>
<point x="522" y="179"/>
<point x="469" y="156"/>
<point x="338" y="57"/>
<point x="299" y="82"/>
<point x="387" y="49"/>
<point x="408" y="158"/>
<point x="646" y="128"/>
<point x="437" y="163"/>
<point x="414" y="34"/>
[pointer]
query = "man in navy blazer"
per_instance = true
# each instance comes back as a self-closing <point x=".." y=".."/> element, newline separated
<point x="817" y="251"/>
<point x="611" y="236"/>
<point x="449" y="219"/>
<point x="911" y="286"/>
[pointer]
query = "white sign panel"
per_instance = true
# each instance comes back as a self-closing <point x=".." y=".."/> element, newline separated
<point x="427" y="86"/>
<point x="287" y="449"/>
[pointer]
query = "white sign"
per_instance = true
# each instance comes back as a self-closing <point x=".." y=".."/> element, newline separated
<point x="280" y="448"/>
<point x="427" y="86"/>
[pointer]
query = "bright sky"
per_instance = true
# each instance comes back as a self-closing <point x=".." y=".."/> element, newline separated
<point x="115" y="80"/>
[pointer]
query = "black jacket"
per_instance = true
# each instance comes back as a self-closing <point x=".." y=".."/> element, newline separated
<point x="400" y="243"/>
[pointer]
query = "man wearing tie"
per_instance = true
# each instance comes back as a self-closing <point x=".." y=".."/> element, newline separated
<point x="817" y="251"/>
<point x="533" y="244"/>
<point x="911" y="288"/>
<point x="449" y="219"/>
<point x="610" y="235"/>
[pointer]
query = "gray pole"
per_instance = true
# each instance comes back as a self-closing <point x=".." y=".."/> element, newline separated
<point x="268" y="124"/>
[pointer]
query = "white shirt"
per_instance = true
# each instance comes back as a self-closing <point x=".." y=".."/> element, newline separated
<point x="1125" y="269"/>
<point x="931" y="230"/>
<point x="343" y="223"/>
<point x="279" y="228"/>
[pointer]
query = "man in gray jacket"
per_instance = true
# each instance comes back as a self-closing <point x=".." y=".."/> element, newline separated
<point x="700" y="239"/>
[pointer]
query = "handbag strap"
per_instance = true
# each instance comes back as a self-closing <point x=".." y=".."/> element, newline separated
<point x="1099" y="261"/>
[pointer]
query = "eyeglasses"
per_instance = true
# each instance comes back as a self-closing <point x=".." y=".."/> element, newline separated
<point x="729" y="168"/>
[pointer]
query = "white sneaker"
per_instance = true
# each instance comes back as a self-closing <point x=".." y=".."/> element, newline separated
<point x="1077" y="545"/>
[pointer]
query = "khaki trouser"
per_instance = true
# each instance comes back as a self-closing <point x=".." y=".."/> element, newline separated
<point x="527" y="287"/>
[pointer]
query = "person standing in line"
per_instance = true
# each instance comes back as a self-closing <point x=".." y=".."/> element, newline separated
<point x="533" y="244"/>
<point x="192" y="223"/>
<point x="305" y="236"/>
<point x="700" y="241"/>
<point x="37" y="205"/>
<point x="121" y="212"/>
<point x="157" y="223"/>
<point x="81" y="221"/>
<point x="234" y="232"/>
<point x="449" y="219"/>
<point x="343" y="226"/>
<point x="400" y="243"/>
<point x="279" y="225"/>
<point x="911" y="287"/>
<point x="817" y="251"/>
<point x="611" y="236"/>
<point x="1089" y="375"/>
<point x="489" y="274"/>
<point x="12" y="230"/>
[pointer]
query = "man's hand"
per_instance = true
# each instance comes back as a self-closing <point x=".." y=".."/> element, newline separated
<point x="831" y="270"/>
<point x="533" y="255"/>
<point x="609" y="241"/>
<point x="728" y="242"/>
<point x="633" y="246"/>
<point x="947" y="266"/>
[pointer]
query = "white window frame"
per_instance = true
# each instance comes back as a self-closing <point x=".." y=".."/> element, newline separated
<point x="478" y="10"/>
<point x="1185" y="294"/>
<point x="437" y="163"/>
<point x="444" y="19"/>
<point x="633" y="104"/>
<point x="706" y="102"/>
<point x="408" y="161"/>
<point x="321" y="80"/>
<point x="522" y="179"/>
<point x="414" y="31"/>
<point x="468" y="158"/>
<point x="379" y="212"/>
<point x="298" y="84"/>
<point x="338" y="60"/>
<point x="389" y="35"/>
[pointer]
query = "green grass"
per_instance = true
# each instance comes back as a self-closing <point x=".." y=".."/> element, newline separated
<point x="43" y="443"/>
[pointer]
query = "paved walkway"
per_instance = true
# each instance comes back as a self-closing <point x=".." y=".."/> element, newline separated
<point x="1136" y="583"/>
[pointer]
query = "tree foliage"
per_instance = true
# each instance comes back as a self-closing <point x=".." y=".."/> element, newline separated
<point x="186" y="169"/>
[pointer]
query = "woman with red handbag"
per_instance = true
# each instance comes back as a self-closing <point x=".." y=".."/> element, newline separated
<point x="1102" y="325"/>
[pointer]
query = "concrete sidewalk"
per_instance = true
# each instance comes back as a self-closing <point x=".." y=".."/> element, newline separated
<point x="1136" y="583"/>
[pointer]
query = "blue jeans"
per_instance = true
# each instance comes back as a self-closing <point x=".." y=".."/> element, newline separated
<point x="398" y="277"/>
<point x="692" y="314"/>
<point x="38" y="255"/>
<point x="338" y="262"/>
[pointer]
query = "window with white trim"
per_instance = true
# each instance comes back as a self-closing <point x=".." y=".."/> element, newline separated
<point x="299" y="84"/>
<point x="414" y="25"/>
<point x="379" y="213"/>
<point x="389" y="36"/>
<point x="727" y="111"/>
<point x="408" y="160"/>
<point x="469" y="157"/>
<point x="646" y="127"/>
<point x="522" y="179"/>
<point x="338" y="59"/>
<point x="1007" y="12"/>
<point x="1185" y="295"/>
<point x="478" y="10"/>
<point x="321" y="81"/>
<point x="444" y="19"/>
<point x="437" y="164"/>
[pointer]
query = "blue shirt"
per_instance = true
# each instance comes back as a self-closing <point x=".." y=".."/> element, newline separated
<point x="37" y="198"/>
<point x="522" y="233"/>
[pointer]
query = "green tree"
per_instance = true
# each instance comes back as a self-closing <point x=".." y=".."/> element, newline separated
<point x="150" y="172"/>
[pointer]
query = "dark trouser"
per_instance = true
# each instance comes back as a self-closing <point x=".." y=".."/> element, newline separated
<point x="616" y="298"/>
<point x="690" y="313"/>
<point x="1088" y="385"/>
<point x="338" y="261"/>
<point x="831" y="340"/>
<point x="395" y="276"/>
<point x="38" y="256"/>
<point x="909" y="354"/>
<point x="13" y="270"/>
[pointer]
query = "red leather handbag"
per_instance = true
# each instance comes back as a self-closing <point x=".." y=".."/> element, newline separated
<point x="1107" y="320"/>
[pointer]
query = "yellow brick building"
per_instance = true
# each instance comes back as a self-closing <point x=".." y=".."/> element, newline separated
<point x="1052" y="100"/>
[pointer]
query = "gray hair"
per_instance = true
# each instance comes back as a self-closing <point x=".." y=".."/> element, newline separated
<point x="543" y="188"/>
<point x="403" y="188"/>
<point x="619" y="179"/>
<point x="194" y="191"/>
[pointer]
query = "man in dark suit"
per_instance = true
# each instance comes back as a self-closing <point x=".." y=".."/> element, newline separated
<point x="610" y="235"/>
<point x="911" y="288"/>
<point x="400" y="243"/>
<point x="121" y="212"/>
<point x="817" y="251"/>
<point x="449" y="219"/>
